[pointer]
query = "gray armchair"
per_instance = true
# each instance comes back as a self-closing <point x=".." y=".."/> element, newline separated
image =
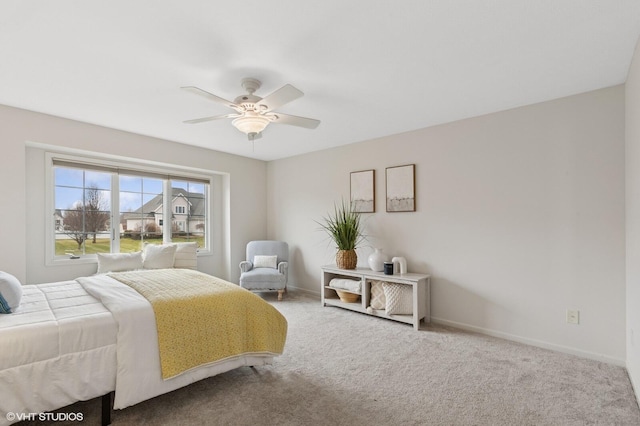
<point x="266" y="267"/>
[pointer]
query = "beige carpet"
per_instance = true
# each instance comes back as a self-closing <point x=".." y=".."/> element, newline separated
<point x="344" y="368"/>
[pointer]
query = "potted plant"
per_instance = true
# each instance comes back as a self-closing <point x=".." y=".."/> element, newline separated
<point x="345" y="230"/>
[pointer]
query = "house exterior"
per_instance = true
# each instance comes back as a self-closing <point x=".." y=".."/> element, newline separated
<point x="187" y="214"/>
<point x="58" y="220"/>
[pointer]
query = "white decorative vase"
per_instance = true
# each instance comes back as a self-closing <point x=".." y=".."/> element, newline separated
<point x="377" y="259"/>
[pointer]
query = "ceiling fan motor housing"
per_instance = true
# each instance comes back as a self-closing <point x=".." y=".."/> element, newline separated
<point x="248" y="102"/>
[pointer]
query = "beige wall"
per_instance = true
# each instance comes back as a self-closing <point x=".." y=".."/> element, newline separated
<point x="632" y="123"/>
<point x="520" y="216"/>
<point x="23" y="235"/>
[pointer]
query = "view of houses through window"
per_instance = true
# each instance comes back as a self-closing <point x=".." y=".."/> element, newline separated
<point x="85" y="199"/>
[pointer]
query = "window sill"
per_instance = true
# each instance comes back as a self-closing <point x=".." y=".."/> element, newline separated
<point x="66" y="260"/>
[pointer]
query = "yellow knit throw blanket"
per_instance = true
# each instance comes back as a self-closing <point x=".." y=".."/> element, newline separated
<point x="203" y="319"/>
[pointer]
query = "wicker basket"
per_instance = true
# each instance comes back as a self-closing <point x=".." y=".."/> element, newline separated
<point x="347" y="297"/>
<point x="346" y="259"/>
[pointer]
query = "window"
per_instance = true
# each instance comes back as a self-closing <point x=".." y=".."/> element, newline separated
<point x="141" y="207"/>
<point x="109" y="209"/>
<point x="190" y="200"/>
<point x="82" y="211"/>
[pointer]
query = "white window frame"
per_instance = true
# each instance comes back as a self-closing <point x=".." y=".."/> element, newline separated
<point x="175" y="172"/>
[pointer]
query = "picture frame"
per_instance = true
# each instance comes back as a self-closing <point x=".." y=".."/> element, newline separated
<point x="362" y="188"/>
<point x="401" y="188"/>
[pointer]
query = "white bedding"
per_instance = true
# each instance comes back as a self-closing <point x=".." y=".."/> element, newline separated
<point x="63" y="342"/>
<point x="58" y="347"/>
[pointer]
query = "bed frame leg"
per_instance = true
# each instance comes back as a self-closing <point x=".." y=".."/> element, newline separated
<point x="280" y="295"/>
<point x="107" y="405"/>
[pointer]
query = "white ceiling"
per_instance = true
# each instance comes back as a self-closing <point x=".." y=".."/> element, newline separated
<point x="368" y="68"/>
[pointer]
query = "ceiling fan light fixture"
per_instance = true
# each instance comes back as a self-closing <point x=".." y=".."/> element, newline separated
<point x="251" y="123"/>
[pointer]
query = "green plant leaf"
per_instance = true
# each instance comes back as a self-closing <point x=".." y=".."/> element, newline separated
<point x="343" y="227"/>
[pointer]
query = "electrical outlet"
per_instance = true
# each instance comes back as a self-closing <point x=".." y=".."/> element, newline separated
<point x="573" y="316"/>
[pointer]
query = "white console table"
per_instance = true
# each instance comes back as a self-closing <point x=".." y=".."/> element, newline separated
<point x="420" y="285"/>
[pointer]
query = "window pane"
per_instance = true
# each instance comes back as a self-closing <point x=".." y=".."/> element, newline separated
<point x="177" y="184"/>
<point x="97" y="199"/>
<point x="196" y="189"/>
<point x="130" y="183"/>
<point x="66" y="198"/>
<point x="100" y="180"/>
<point x="152" y="203"/>
<point x="68" y="177"/>
<point x="140" y="212"/>
<point x="189" y="207"/>
<point x="82" y="216"/>
<point x="130" y="201"/>
<point x="153" y="186"/>
<point x="69" y="236"/>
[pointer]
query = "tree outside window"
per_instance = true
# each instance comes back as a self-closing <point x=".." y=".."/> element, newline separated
<point x="87" y="218"/>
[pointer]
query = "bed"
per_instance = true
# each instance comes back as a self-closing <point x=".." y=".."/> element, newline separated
<point x="99" y="336"/>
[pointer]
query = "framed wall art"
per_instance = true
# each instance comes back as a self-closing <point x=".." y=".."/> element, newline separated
<point x="363" y="198"/>
<point x="401" y="188"/>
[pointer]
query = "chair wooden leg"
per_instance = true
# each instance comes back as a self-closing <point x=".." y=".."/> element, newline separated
<point x="280" y="295"/>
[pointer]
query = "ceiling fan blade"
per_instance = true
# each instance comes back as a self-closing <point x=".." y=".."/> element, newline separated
<point x="283" y="95"/>
<point x="210" y="96"/>
<point x="215" y="117"/>
<point x="293" y="120"/>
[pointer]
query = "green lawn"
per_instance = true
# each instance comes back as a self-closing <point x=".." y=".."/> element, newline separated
<point x="127" y="245"/>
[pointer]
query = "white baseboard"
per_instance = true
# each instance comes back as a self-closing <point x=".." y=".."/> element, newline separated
<point x="533" y="342"/>
<point x="538" y="343"/>
<point x="304" y="290"/>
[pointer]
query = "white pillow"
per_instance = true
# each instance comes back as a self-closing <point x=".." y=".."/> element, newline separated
<point x="159" y="256"/>
<point x="10" y="293"/>
<point x="118" y="262"/>
<point x="399" y="298"/>
<point x="186" y="255"/>
<point x="378" y="300"/>
<point x="265" y="261"/>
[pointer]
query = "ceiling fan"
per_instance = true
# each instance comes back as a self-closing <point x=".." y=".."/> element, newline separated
<point x="253" y="113"/>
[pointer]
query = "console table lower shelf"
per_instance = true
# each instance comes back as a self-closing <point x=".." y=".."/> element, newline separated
<point x="420" y="292"/>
